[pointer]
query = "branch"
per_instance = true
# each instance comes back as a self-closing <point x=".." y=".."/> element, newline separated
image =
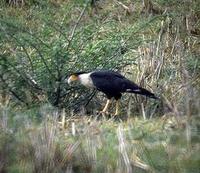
<point x="31" y="82"/>
<point x="21" y="30"/>
<point x="76" y="25"/>
<point x="26" y="52"/>
<point x="13" y="92"/>
<point x="134" y="31"/>
<point x="43" y="59"/>
<point x="74" y="30"/>
<point x="91" y="97"/>
<point x="124" y="6"/>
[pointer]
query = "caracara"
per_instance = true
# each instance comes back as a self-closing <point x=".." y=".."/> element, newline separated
<point x="111" y="83"/>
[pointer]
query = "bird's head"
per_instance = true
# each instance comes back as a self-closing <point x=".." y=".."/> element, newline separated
<point x="74" y="77"/>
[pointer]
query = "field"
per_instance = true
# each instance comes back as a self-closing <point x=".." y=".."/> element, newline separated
<point x="155" y="43"/>
<point x="97" y="144"/>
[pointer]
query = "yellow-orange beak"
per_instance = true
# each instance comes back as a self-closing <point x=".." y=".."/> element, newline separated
<point x="72" y="78"/>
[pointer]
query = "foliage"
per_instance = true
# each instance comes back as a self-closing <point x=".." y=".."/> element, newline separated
<point x="43" y="42"/>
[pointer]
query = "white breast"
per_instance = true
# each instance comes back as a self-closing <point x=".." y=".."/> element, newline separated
<point x="86" y="80"/>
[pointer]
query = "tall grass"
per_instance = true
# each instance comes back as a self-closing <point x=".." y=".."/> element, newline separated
<point x="91" y="145"/>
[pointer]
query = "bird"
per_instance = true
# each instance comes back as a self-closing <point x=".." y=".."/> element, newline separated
<point x="111" y="83"/>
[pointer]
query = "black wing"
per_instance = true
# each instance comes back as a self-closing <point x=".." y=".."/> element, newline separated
<point x="110" y="82"/>
<point x="113" y="83"/>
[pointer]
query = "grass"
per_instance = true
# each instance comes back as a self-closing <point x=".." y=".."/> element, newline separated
<point x="91" y="145"/>
<point x="162" y="54"/>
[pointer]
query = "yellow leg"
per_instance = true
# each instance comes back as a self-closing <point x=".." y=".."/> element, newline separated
<point x="117" y="108"/>
<point x="106" y="106"/>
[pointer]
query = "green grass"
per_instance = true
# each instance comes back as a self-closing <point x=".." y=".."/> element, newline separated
<point x="106" y="145"/>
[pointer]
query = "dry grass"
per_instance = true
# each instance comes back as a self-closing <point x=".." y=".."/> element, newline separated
<point x="91" y="145"/>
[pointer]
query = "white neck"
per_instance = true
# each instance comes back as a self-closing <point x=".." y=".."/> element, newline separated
<point x="86" y="80"/>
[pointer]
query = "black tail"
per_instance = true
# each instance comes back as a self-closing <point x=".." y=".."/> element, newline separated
<point x="145" y="92"/>
<point x="133" y="88"/>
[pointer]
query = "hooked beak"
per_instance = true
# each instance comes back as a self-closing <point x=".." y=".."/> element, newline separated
<point x="69" y="81"/>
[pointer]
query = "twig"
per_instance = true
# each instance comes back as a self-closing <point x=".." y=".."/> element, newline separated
<point x="76" y="25"/>
<point x="118" y="49"/>
<point x="91" y="96"/>
<point x="173" y="108"/>
<point x="185" y="85"/>
<point x="122" y="149"/>
<point x="43" y="60"/>
<point x="13" y="92"/>
<point x="74" y="30"/>
<point x="124" y="6"/>
<point x="26" y="52"/>
<point x="29" y="81"/>
<point x="21" y="29"/>
<point x="158" y="48"/>
<point x="143" y="111"/>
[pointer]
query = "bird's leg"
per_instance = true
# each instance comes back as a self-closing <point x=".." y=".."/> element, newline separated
<point x="117" y="108"/>
<point x="106" y="106"/>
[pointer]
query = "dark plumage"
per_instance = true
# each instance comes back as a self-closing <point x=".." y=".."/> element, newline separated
<point x="114" y="84"/>
<point x="111" y="83"/>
